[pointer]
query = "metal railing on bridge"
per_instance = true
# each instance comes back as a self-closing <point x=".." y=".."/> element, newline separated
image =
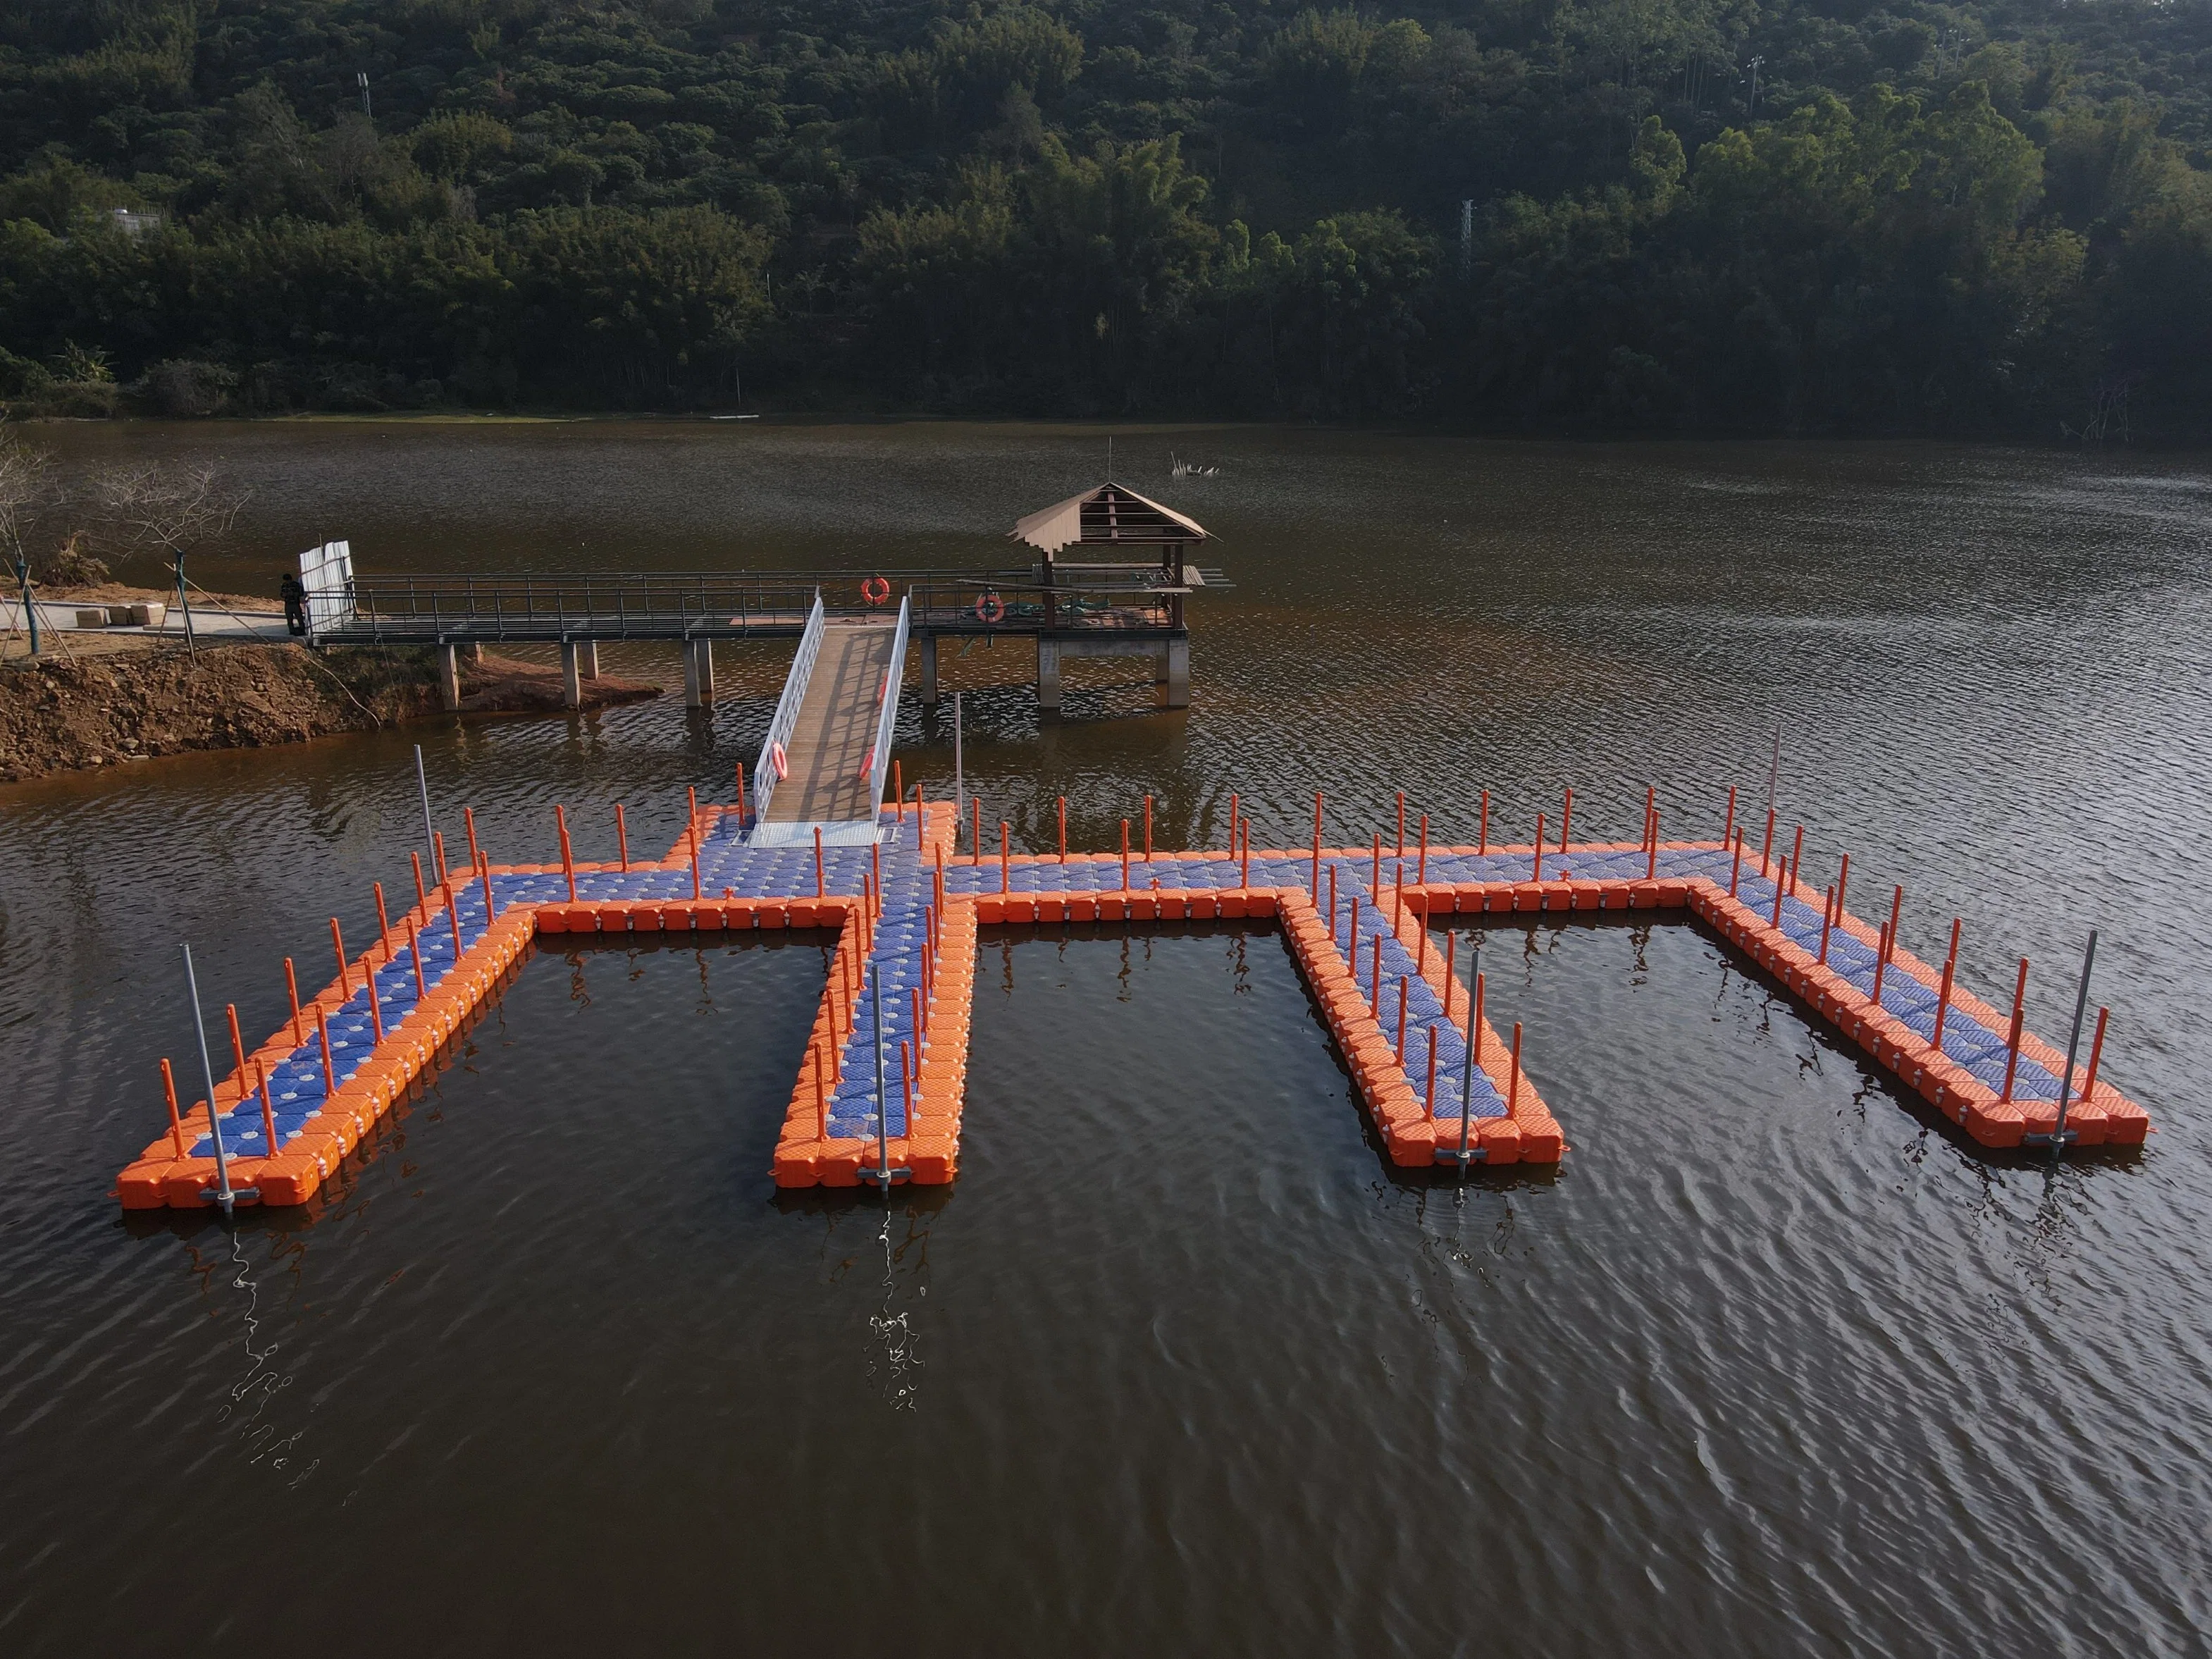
<point x="559" y="606"/>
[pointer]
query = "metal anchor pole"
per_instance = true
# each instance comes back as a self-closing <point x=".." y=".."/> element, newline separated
<point x="223" y="1195"/>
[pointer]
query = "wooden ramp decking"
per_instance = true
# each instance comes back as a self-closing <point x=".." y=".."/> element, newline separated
<point x="831" y="744"/>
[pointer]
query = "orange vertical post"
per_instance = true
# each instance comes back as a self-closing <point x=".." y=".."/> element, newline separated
<point x="1124" y="855"/>
<point x="376" y="1010"/>
<point x="1766" y="847"/>
<point x="1316" y="856"/>
<point x="438" y="852"/>
<point x="2089" y="1078"/>
<point x="2011" y="1041"/>
<point x="414" y="950"/>
<point x="1843" y="880"/>
<point x="568" y="856"/>
<point x="898" y="788"/>
<point x="1828" y="919"/>
<point x="268" y="1108"/>
<point x="330" y="1063"/>
<point x="422" y="893"/>
<point x="1729" y="828"/>
<point x="1943" y="996"/>
<point x="1536" y="868"/>
<point x="1735" y="866"/>
<point x="1063" y="828"/>
<point x="1402" y="997"/>
<point x="177" y="1121"/>
<point x="237" y="1046"/>
<point x="821" y="877"/>
<point x="1375" y="875"/>
<point x="292" y="995"/>
<point x="695" y="882"/>
<point x="1567" y="817"/>
<point x="468" y="824"/>
<point x="622" y="837"/>
<point x="1451" y="985"/>
<point x="1482" y="828"/>
<point x="337" y="946"/>
<point x="1777" y="898"/>
<point x="1651" y="857"/>
<point x="741" y="797"/>
<point x="383" y="921"/>
<point x="876" y="866"/>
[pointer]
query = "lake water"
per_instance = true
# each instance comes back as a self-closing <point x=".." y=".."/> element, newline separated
<point x="1772" y="1364"/>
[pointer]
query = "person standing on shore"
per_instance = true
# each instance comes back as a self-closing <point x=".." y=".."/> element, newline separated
<point x="295" y="602"/>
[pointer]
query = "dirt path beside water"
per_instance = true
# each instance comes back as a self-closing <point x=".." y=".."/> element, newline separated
<point x="135" y="697"/>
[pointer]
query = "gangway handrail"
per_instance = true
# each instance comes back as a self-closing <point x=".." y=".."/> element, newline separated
<point x="888" y="719"/>
<point x="786" y="709"/>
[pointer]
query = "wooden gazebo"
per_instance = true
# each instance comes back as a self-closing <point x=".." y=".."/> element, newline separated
<point x="1112" y="533"/>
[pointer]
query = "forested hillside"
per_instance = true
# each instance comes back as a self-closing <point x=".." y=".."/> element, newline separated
<point x="1801" y="216"/>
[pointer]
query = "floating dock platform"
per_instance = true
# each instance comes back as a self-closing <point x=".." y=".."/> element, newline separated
<point x="1362" y="924"/>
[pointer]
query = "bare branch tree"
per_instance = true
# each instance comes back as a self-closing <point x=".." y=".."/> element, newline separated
<point x="25" y="486"/>
<point x="160" y="506"/>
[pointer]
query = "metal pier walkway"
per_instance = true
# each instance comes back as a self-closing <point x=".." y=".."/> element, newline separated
<point x="829" y="748"/>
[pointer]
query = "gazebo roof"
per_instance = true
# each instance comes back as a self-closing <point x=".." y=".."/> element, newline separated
<point x="1112" y="515"/>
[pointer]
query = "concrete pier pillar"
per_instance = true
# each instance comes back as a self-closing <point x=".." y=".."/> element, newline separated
<point x="587" y="659"/>
<point x="698" y="673"/>
<point x="1048" y="675"/>
<point x="1173" y="674"/>
<point x="474" y="649"/>
<point x="572" y="684"/>
<point x="449" y="677"/>
<point x="928" y="670"/>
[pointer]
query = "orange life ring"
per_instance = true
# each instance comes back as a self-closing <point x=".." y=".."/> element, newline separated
<point x="990" y="608"/>
<point x="875" y="590"/>
<point x="779" y="760"/>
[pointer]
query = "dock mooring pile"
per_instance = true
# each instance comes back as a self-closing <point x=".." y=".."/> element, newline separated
<point x="880" y="1091"/>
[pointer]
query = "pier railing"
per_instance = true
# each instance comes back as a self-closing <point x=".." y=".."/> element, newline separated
<point x="787" y="710"/>
<point x="979" y="606"/>
<point x="562" y="606"/>
<point x="879" y="757"/>
<point x="556" y="607"/>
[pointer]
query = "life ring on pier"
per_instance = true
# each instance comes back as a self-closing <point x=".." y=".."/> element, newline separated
<point x="990" y="608"/>
<point x="875" y="590"/>
<point x="779" y="760"/>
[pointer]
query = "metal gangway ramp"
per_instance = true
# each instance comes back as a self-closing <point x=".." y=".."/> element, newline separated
<point x="829" y="748"/>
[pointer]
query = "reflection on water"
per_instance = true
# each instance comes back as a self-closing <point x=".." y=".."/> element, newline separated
<point x="893" y="1326"/>
<point x="1773" y="1364"/>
